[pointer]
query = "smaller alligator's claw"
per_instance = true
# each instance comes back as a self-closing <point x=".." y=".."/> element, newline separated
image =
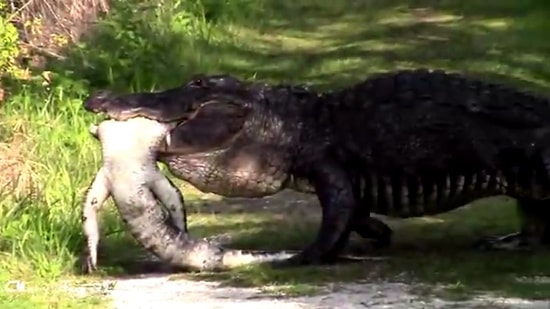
<point x="87" y="264"/>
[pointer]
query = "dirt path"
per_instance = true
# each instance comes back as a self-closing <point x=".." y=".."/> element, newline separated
<point x="170" y="291"/>
<point x="158" y="291"/>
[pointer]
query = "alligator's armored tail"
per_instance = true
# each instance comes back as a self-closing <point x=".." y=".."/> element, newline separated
<point x="404" y="143"/>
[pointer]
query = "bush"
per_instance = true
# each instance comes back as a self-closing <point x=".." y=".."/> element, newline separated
<point x="153" y="39"/>
<point x="9" y="50"/>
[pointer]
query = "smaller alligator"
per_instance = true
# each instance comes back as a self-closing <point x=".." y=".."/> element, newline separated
<point x="130" y="175"/>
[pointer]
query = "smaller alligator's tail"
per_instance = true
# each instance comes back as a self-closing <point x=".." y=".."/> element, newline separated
<point x="149" y="225"/>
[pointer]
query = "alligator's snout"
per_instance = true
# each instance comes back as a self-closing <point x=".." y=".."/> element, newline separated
<point x="96" y="102"/>
<point x="111" y="105"/>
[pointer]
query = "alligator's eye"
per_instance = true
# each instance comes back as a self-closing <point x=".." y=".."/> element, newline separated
<point x="194" y="83"/>
<point x="197" y="81"/>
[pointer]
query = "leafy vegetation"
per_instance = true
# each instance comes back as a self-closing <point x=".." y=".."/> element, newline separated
<point x="47" y="158"/>
<point x="9" y="45"/>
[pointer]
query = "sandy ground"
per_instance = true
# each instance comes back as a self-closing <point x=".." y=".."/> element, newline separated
<point x="158" y="291"/>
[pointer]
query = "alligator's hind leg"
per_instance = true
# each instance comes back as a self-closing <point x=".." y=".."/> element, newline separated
<point x="535" y="218"/>
<point x="97" y="193"/>
<point x="372" y="228"/>
<point x="172" y="199"/>
<point x="534" y="213"/>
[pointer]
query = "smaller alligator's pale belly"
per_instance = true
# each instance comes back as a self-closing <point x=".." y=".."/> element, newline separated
<point x="130" y="180"/>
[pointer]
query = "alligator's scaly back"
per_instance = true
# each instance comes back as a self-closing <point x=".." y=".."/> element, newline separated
<point x="419" y="120"/>
<point x="130" y="175"/>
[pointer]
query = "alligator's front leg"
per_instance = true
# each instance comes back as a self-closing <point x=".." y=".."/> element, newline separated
<point x="98" y="193"/>
<point x="334" y="191"/>
<point x="171" y="198"/>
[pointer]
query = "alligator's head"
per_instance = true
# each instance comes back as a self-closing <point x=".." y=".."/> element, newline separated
<point x="210" y="112"/>
<point x="229" y="135"/>
<point x="176" y="104"/>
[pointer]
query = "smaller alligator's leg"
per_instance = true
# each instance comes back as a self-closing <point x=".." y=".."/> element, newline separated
<point x="172" y="199"/>
<point x="95" y="198"/>
<point x="535" y="216"/>
<point x="335" y="194"/>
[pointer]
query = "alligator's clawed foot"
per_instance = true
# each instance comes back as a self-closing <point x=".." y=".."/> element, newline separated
<point x="510" y="242"/>
<point x="381" y="243"/>
<point x="363" y="247"/>
<point x="87" y="264"/>
<point x="378" y="233"/>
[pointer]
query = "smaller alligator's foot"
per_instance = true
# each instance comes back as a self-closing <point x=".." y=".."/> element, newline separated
<point x="87" y="263"/>
<point x="512" y="242"/>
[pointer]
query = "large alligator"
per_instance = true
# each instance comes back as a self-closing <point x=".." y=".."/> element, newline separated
<point x="131" y="176"/>
<point x="404" y="143"/>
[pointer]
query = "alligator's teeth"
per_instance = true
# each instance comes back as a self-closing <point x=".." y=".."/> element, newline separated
<point x="93" y="129"/>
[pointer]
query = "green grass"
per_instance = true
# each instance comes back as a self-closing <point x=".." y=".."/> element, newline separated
<point x="325" y="43"/>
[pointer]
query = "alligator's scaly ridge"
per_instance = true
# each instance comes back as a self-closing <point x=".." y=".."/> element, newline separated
<point x="130" y="175"/>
